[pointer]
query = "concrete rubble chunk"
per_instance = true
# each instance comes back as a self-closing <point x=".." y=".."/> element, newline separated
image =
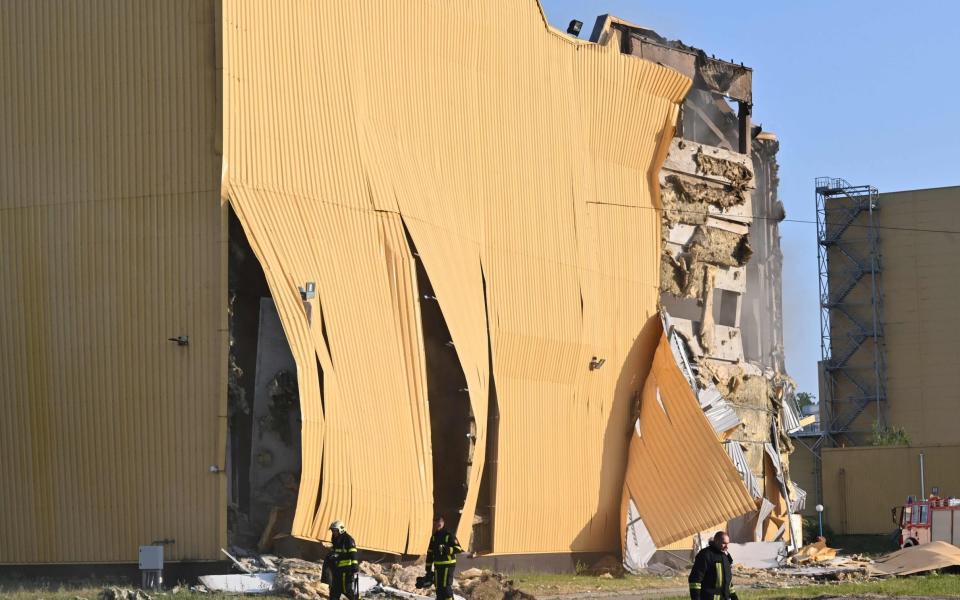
<point x="258" y="583"/>
<point x="117" y="593"/>
<point x="471" y="573"/>
<point x="492" y="586"/>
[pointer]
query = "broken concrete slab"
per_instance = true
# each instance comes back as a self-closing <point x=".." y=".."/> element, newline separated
<point x="758" y="555"/>
<point x="257" y="583"/>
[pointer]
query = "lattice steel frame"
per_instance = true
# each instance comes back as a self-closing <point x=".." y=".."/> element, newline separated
<point x="863" y="255"/>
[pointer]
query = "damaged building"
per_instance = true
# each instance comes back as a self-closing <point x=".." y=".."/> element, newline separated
<point x="259" y="274"/>
<point x="720" y="286"/>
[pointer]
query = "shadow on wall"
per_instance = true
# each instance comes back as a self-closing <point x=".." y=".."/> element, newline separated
<point x="624" y="410"/>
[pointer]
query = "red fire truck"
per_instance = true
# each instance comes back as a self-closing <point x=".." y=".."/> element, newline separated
<point x="932" y="520"/>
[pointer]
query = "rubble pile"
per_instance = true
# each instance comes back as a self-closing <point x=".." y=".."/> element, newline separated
<point x="816" y="552"/>
<point x="395" y="575"/>
<point x="476" y="584"/>
<point x="608" y="566"/>
<point x="301" y="579"/>
<point x="117" y="593"/>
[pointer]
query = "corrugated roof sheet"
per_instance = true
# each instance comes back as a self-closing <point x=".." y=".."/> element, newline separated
<point x="638" y="547"/>
<point x="740" y="462"/>
<point x="720" y="412"/>
<point x="678" y="474"/>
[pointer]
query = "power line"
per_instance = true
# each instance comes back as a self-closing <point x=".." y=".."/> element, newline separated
<point x="802" y="221"/>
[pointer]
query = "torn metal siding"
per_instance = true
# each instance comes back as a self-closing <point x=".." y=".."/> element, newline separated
<point x="679" y="476"/>
<point x="374" y="452"/>
<point x="111" y="237"/>
<point x="513" y="172"/>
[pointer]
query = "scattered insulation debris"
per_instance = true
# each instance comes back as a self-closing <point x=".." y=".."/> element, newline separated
<point x="814" y="553"/>
<point x="117" y="593"/>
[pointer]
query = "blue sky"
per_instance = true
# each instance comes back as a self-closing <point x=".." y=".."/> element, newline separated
<point x="867" y="91"/>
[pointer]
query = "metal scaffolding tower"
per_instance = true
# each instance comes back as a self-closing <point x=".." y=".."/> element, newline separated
<point x="851" y="304"/>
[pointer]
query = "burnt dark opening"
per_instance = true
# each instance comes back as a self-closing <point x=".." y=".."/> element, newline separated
<point x="264" y="423"/>
<point x="452" y="425"/>
<point x="482" y="540"/>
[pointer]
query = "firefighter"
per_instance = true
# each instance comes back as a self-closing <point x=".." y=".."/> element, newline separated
<point x="712" y="575"/>
<point x="343" y="564"/>
<point x="442" y="559"/>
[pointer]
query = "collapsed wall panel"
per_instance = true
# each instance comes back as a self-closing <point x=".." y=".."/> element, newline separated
<point x="678" y="475"/>
<point x="363" y="418"/>
<point x="505" y="157"/>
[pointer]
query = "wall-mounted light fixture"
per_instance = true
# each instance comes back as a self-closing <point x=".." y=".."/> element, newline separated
<point x="574" y="28"/>
<point x="181" y="340"/>
<point x="596" y="363"/>
<point x="308" y="291"/>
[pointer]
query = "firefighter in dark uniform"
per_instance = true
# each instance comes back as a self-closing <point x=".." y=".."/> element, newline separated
<point x="442" y="559"/>
<point x="342" y="563"/>
<point x="712" y="575"/>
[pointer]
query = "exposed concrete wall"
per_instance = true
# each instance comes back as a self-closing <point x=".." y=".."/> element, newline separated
<point x="762" y="319"/>
<point x="721" y="273"/>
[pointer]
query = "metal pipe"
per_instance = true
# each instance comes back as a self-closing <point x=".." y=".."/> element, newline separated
<point x="923" y="487"/>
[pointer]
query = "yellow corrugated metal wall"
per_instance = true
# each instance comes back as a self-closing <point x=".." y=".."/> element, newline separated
<point x="522" y="163"/>
<point x="111" y="241"/>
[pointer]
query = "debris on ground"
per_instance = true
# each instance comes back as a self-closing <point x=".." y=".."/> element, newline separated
<point x="609" y="566"/>
<point x="301" y="579"/>
<point x="257" y="583"/>
<point x="117" y="593"/>
<point x="918" y="559"/>
<point x="816" y="552"/>
<point x="491" y="586"/>
<point x="394" y="575"/>
<point x="471" y="573"/>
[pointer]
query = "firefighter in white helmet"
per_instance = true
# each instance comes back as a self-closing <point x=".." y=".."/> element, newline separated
<point x="343" y="563"/>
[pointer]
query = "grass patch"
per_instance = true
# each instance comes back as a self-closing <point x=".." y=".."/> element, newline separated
<point x="933" y="584"/>
<point x="553" y="584"/>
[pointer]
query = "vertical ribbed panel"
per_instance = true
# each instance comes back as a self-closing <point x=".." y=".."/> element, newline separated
<point x="370" y="435"/>
<point x="522" y="158"/>
<point x="679" y="476"/>
<point x="112" y="241"/>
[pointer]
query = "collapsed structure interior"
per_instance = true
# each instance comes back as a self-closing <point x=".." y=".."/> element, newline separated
<point x="721" y="270"/>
